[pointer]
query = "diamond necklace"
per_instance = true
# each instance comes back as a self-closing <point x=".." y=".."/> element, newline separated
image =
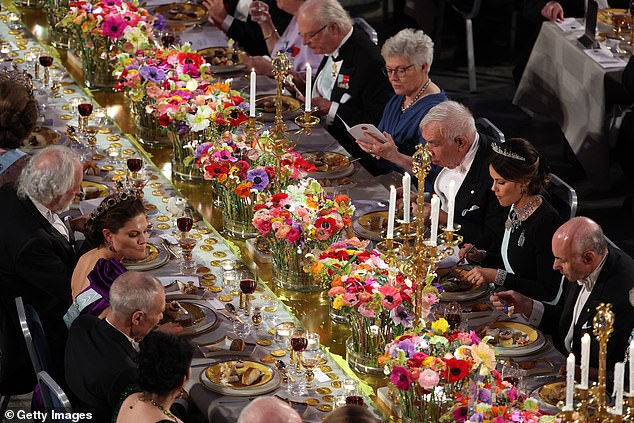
<point x="418" y="95"/>
<point x="518" y="215"/>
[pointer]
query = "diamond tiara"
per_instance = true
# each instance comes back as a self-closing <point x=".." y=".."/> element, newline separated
<point x="112" y="202"/>
<point x="511" y="155"/>
<point x="19" y="77"/>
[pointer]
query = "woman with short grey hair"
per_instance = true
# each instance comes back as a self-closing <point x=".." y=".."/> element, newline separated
<point x="408" y="56"/>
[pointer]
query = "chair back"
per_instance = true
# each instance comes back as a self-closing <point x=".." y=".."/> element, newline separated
<point x="486" y="127"/>
<point x="363" y="25"/>
<point x="611" y="243"/>
<point x="54" y="397"/>
<point x="34" y="336"/>
<point x="468" y="9"/>
<point x="562" y="196"/>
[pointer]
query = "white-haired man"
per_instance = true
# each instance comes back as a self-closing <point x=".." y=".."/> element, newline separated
<point x="37" y="257"/>
<point x="350" y="84"/>
<point x="268" y="410"/>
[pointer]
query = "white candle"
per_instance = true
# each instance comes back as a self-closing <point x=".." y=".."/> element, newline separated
<point x="451" y="196"/>
<point x="570" y="382"/>
<point x="435" y="213"/>
<point x="585" y="360"/>
<point x="619" y="373"/>
<point x="309" y="88"/>
<point x="407" y="183"/>
<point x="631" y="369"/>
<point x="390" y="214"/>
<point x="252" y="95"/>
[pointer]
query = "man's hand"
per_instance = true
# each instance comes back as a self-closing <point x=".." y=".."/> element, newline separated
<point x="261" y="64"/>
<point x="553" y="11"/>
<point x="503" y="299"/>
<point x="379" y="149"/>
<point x="77" y="224"/>
<point x="215" y="11"/>
<point x="322" y="105"/>
<point x="170" y="328"/>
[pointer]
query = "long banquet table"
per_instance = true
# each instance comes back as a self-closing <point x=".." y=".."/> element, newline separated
<point x="311" y="309"/>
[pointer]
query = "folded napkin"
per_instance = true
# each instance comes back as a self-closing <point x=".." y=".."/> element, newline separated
<point x="570" y="25"/>
<point x="605" y="58"/>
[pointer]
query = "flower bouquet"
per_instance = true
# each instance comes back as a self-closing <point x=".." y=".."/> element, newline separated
<point x="240" y="172"/>
<point x="431" y="368"/>
<point x="102" y="30"/>
<point x="298" y="220"/>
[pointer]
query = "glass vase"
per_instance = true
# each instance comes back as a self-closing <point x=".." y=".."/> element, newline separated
<point x="55" y="12"/>
<point x="148" y="130"/>
<point x="237" y="213"/>
<point x="184" y="145"/>
<point x="369" y="337"/>
<point x="337" y="316"/>
<point x="288" y="268"/>
<point x="97" y="63"/>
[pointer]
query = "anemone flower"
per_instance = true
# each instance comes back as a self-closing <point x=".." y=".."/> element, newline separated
<point x="260" y="179"/>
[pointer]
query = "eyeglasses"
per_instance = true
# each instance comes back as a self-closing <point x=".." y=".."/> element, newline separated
<point x="310" y="36"/>
<point x="400" y="72"/>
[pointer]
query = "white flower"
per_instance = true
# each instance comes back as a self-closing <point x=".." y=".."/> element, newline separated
<point x="191" y="85"/>
<point x="200" y="120"/>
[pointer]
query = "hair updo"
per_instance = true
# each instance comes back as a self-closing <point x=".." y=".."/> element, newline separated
<point x="112" y="217"/>
<point x="533" y="169"/>
<point x="18" y="114"/>
<point x="164" y="362"/>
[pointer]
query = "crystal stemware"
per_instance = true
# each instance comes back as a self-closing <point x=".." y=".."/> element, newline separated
<point x="299" y="342"/>
<point x="185" y="222"/>
<point x="247" y="287"/>
<point x="46" y="61"/>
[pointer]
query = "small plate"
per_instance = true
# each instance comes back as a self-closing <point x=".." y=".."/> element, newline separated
<point x="536" y="340"/>
<point x="183" y="13"/>
<point x="222" y="60"/>
<point x="371" y="225"/>
<point x="269" y="381"/>
<point x="549" y="395"/>
<point x="329" y="164"/>
<point x="203" y="318"/>
<point x="93" y="190"/>
<point x="291" y="107"/>
<point x="41" y="137"/>
<point x="155" y="258"/>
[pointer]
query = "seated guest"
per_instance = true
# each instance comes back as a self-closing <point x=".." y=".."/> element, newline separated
<point x="599" y="273"/>
<point x="234" y="19"/>
<point x="454" y="144"/>
<point x="268" y="410"/>
<point x="37" y="257"/>
<point x="289" y="42"/>
<point x="118" y="227"/>
<point x="408" y="56"/>
<point x="351" y="414"/>
<point x="350" y="87"/>
<point x="18" y="116"/>
<point x="101" y="354"/>
<point x="524" y="262"/>
<point x="164" y="367"/>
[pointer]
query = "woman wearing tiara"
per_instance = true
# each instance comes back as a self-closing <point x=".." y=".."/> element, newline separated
<point x="118" y="227"/>
<point x="525" y="260"/>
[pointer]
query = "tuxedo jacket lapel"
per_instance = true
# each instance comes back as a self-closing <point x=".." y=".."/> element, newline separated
<point x="464" y="197"/>
<point x="46" y="225"/>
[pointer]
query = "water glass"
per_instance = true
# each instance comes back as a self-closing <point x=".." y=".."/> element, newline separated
<point x="113" y="152"/>
<point x="229" y="279"/>
<point x="242" y="329"/>
<point x="349" y="386"/>
<point x="340" y="400"/>
<point x="282" y="333"/>
<point x="228" y="264"/>
<point x="270" y="308"/>
<point x="256" y="10"/>
<point x="296" y="383"/>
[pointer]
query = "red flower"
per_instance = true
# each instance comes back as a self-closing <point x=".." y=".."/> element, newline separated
<point x="342" y="255"/>
<point x="363" y="256"/>
<point x="259" y="207"/>
<point x="365" y="297"/>
<point x="185" y="58"/>
<point x="236" y="99"/>
<point x="457" y="369"/>
<point x="401" y="378"/>
<point x="164" y="120"/>
<point x="276" y="198"/>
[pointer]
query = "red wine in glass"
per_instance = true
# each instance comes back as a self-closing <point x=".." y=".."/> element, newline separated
<point x="185" y="223"/>
<point x="354" y="400"/>
<point x="134" y="164"/>
<point x="168" y="40"/>
<point x="84" y="109"/>
<point x="299" y="344"/>
<point x="46" y="61"/>
<point x="454" y="320"/>
<point x="513" y="380"/>
<point x="247" y="286"/>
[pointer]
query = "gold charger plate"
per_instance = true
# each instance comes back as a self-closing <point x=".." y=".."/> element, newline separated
<point x="155" y="258"/>
<point x="291" y="107"/>
<point x="269" y="381"/>
<point x="535" y="342"/>
<point x="94" y="190"/>
<point x="183" y="13"/>
<point x="371" y="225"/>
<point x="221" y="59"/>
<point x="41" y="137"/>
<point x="605" y="15"/>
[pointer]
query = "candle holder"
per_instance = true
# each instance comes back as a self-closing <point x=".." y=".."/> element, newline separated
<point x="629" y="408"/>
<point x="252" y="125"/>
<point x="450" y="236"/>
<point x="307" y="121"/>
<point x="391" y="249"/>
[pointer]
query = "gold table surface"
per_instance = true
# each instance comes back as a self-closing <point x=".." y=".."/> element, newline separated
<point x="310" y="308"/>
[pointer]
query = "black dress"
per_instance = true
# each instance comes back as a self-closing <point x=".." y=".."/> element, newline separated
<point x="526" y="254"/>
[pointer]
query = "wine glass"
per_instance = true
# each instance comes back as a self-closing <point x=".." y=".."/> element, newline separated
<point x="46" y="61"/>
<point x="298" y="345"/>
<point x="175" y="207"/>
<point x="247" y="287"/>
<point x="85" y="110"/>
<point x="453" y="315"/>
<point x="511" y="373"/>
<point x="309" y="360"/>
<point x="185" y="222"/>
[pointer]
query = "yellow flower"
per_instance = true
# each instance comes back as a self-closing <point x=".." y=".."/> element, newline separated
<point x="427" y="362"/>
<point x="484" y="354"/>
<point x="338" y="302"/>
<point x="317" y="268"/>
<point x="440" y="326"/>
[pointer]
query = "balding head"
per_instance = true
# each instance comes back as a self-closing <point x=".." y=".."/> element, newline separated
<point x="579" y="246"/>
<point x="269" y="410"/>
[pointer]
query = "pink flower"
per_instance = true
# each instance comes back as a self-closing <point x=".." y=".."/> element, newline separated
<point x="350" y="299"/>
<point x="336" y="290"/>
<point x="391" y="297"/>
<point x="365" y="311"/>
<point x="428" y="379"/>
<point x="113" y="27"/>
<point x="401" y="378"/>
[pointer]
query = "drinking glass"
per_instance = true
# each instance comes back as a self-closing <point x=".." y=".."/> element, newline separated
<point x="349" y="386"/>
<point x="354" y="400"/>
<point x="283" y="333"/>
<point x="14" y="21"/>
<point x="229" y="279"/>
<point x="310" y="358"/>
<point x="228" y="264"/>
<point x="185" y="222"/>
<point x="247" y="287"/>
<point x="256" y="10"/>
<point x="453" y="315"/>
<point x="84" y="109"/>
<point x="298" y="345"/>
<point x="113" y="152"/>
<point x="256" y="317"/>
<point x="46" y="61"/>
<point x="175" y="207"/>
<point x="296" y="383"/>
<point x="134" y="165"/>
<point x="270" y="307"/>
<point x="242" y="329"/>
<point x="511" y="373"/>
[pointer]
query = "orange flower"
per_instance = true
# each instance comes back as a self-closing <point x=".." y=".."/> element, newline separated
<point x="383" y="359"/>
<point x="244" y="189"/>
<point x="218" y="86"/>
<point x="311" y="202"/>
<point x="342" y="198"/>
<point x="347" y="220"/>
<point x="318" y="267"/>
<point x="337" y="282"/>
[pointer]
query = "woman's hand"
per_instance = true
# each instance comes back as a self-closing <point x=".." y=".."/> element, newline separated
<point x="469" y="252"/>
<point x="481" y="275"/>
<point x="216" y="12"/>
<point x="259" y="12"/>
<point x="379" y="149"/>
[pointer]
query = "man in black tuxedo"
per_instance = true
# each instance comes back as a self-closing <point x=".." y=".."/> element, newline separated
<point x="350" y="85"/>
<point x="101" y="353"/>
<point x="233" y="19"/>
<point x="37" y="257"/>
<point x="598" y="273"/>
<point x="454" y="144"/>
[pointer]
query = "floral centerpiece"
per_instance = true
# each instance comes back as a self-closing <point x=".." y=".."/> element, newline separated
<point x="298" y="220"/>
<point x="240" y="171"/>
<point x="102" y="30"/>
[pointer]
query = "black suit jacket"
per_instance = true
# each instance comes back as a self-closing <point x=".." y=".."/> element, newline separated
<point x="613" y="286"/>
<point x="248" y="34"/>
<point x="37" y="264"/>
<point x="368" y="88"/>
<point x="477" y="210"/>
<point x="100" y="366"/>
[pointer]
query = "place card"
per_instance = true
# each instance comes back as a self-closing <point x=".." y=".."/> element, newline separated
<point x="321" y="377"/>
<point x="168" y="280"/>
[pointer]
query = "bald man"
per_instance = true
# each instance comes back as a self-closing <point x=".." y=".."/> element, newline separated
<point x="598" y="274"/>
<point x="269" y="410"/>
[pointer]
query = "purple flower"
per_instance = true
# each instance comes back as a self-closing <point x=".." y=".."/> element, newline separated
<point x="182" y="129"/>
<point x="259" y="178"/>
<point x="159" y="23"/>
<point x="407" y="346"/>
<point x="202" y="149"/>
<point x="476" y="418"/>
<point x="401" y="316"/>
<point x="401" y="378"/>
<point x="113" y="27"/>
<point x="152" y="74"/>
<point x="484" y="395"/>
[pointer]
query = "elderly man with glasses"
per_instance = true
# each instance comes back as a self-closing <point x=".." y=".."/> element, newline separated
<point x="350" y="87"/>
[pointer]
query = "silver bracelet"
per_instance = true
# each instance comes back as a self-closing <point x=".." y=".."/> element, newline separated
<point x="500" y="277"/>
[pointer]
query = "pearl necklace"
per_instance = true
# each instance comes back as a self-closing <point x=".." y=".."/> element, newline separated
<point x="518" y="215"/>
<point x="418" y="95"/>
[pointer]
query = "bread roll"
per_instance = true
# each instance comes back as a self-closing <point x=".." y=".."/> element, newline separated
<point x="250" y="376"/>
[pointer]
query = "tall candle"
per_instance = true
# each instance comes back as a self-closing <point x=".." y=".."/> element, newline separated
<point x="391" y="212"/>
<point x="309" y="88"/>
<point x="619" y="373"/>
<point x="407" y="183"/>
<point x="252" y="95"/>
<point x="570" y="382"/>
<point x="435" y="213"/>
<point x="585" y="360"/>
<point x="451" y="194"/>
<point x="631" y="369"/>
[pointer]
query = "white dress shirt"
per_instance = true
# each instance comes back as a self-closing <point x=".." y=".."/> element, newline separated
<point x="51" y="217"/>
<point x="457" y="174"/>
<point x="241" y="13"/>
